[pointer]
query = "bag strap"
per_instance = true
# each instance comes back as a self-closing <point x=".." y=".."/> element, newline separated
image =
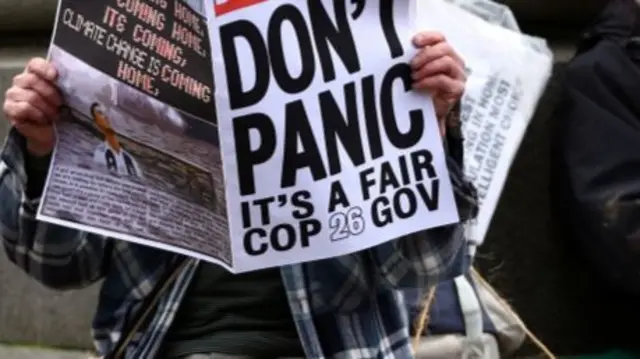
<point x="538" y="343"/>
<point x="423" y="318"/>
<point x="472" y="315"/>
<point x="148" y="306"/>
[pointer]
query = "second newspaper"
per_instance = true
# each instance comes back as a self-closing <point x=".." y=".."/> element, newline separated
<point x="138" y="150"/>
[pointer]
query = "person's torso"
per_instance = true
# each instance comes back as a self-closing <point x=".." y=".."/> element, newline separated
<point x="371" y="324"/>
<point x="118" y="162"/>
<point x="245" y="315"/>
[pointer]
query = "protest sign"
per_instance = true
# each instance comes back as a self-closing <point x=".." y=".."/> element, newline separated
<point x="309" y="144"/>
<point x="506" y="74"/>
<point x="332" y="151"/>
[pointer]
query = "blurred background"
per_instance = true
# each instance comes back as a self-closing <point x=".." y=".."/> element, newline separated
<point x="525" y="257"/>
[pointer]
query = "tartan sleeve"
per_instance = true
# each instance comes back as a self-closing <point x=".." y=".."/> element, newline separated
<point x="423" y="259"/>
<point x="58" y="257"/>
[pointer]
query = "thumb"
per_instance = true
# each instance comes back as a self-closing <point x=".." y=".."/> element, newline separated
<point x="441" y="106"/>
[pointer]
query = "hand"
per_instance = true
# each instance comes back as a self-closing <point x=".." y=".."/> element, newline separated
<point x="439" y="70"/>
<point x="32" y="105"/>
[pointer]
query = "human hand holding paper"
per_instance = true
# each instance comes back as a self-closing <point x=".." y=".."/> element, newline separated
<point x="32" y="105"/>
<point x="439" y="70"/>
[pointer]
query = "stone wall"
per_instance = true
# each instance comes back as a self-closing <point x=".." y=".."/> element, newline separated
<point x="29" y="313"/>
<point x="26" y="15"/>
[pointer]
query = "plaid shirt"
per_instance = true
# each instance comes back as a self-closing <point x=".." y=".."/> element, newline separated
<point x="346" y="307"/>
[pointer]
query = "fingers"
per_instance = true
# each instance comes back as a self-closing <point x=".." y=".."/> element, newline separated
<point x="43" y="87"/>
<point x="443" y="65"/>
<point x="27" y="105"/>
<point x="443" y="85"/>
<point x="438" y="68"/>
<point x="42" y="69"/>
<point x="442" y="124"/>
<point x="32" y="103"/>
<point x="33" y="96"/>
<point x="428" y="54"/>
<point x="22" y="111"/>
<point x="428" y="38"/>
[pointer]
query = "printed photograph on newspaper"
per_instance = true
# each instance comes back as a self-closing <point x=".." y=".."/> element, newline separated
<point x="137" y="156"/>
<point x="327" y="150"/>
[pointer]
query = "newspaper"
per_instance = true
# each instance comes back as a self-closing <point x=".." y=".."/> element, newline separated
<point x="309" y="144"/>
<point x="489" y="11"/>
<point x="506" y="74"/>
<point x="501" y="15"/>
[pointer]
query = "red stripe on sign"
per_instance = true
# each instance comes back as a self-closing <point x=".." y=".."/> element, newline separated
<point x="225" y="6"/>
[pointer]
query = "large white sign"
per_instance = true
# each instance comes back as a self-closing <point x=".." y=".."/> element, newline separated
<point x="326" y="148"/>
